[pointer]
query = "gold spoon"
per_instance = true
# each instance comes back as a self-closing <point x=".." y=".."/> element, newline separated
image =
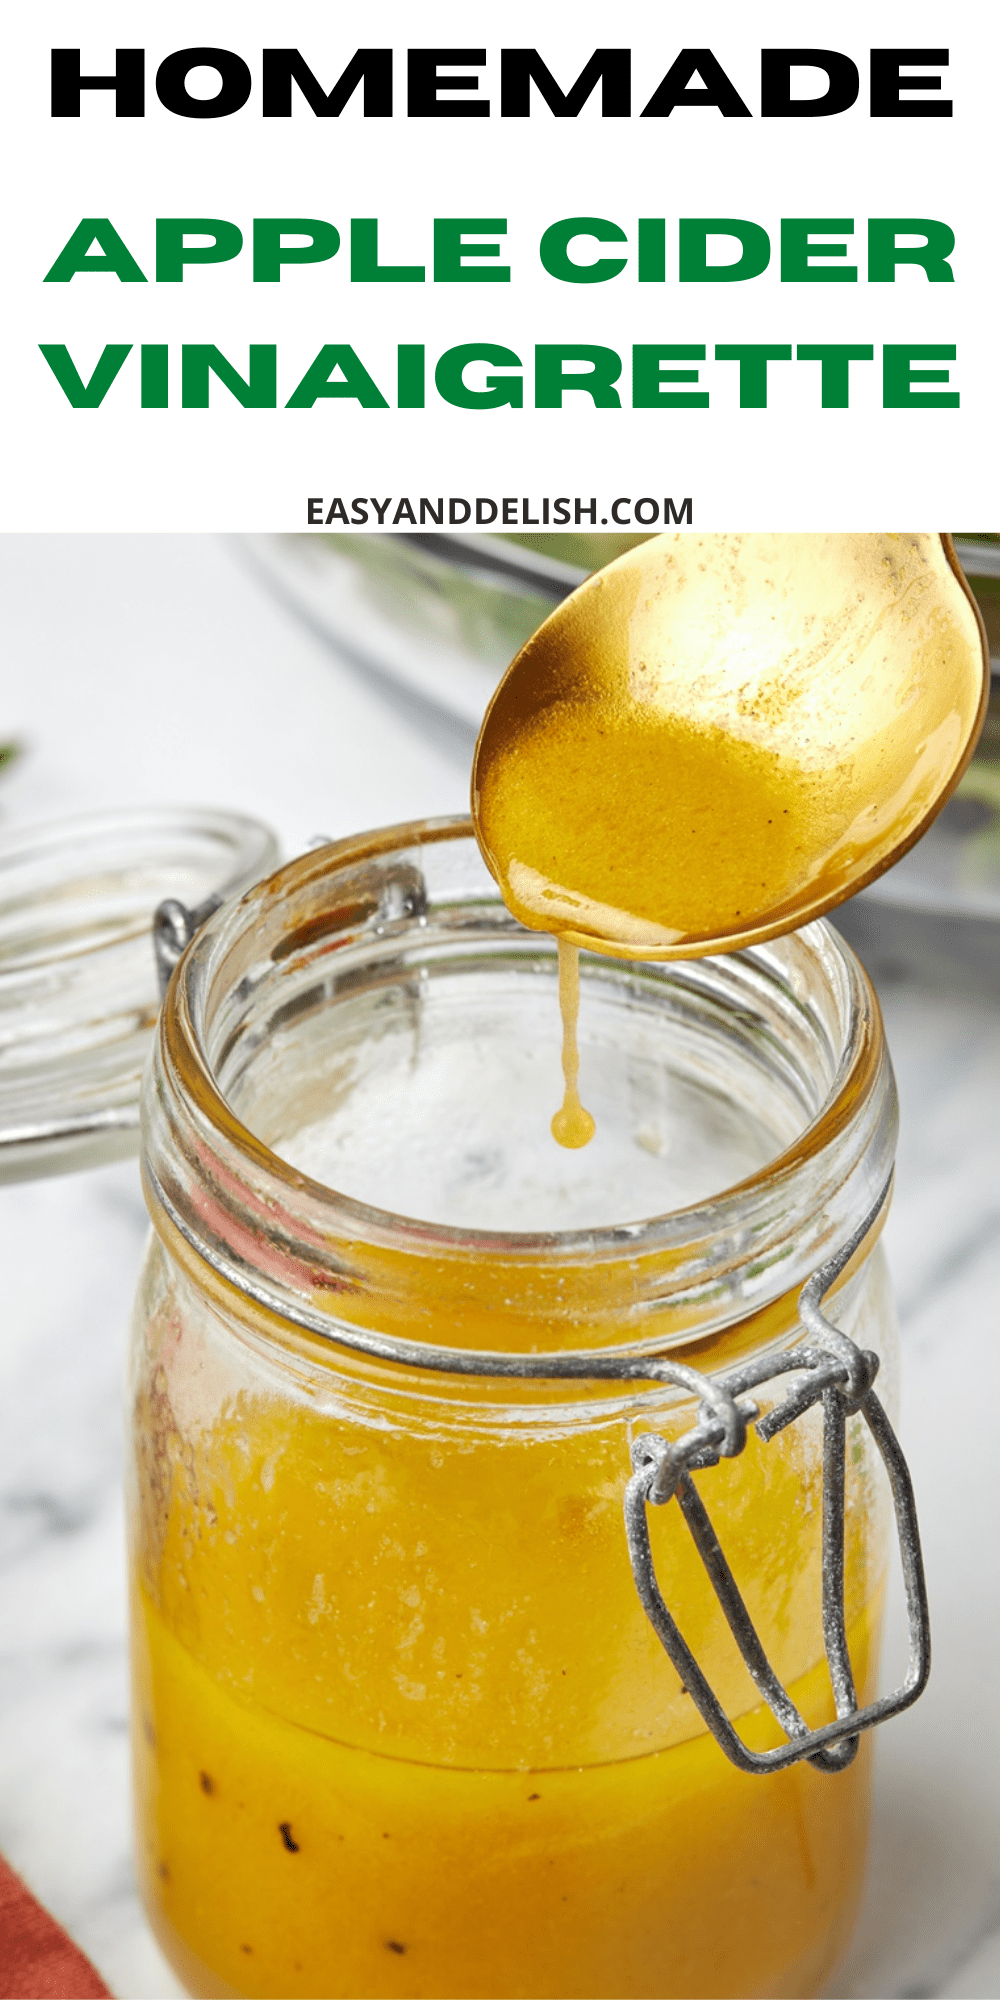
<point x="719" y="737"/>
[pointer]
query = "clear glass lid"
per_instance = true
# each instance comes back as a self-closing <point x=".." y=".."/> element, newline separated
<point x="79" y="994"/>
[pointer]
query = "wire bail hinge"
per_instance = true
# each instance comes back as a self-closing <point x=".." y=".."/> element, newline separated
<point x="839" y="1375"/>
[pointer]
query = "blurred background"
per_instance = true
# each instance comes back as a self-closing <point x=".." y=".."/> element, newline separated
<point x="322" y="685"/>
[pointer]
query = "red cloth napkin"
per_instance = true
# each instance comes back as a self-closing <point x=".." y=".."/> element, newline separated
<point x="37" y="1960"/>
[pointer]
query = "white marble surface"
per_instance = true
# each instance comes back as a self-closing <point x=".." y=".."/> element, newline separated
<point x="151" y="668"/>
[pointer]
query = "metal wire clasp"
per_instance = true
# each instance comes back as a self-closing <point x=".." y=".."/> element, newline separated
<point x="839" y="1375"/>
<point x="174" y="925"/>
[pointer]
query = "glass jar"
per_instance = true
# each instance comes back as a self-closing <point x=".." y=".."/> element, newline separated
<point x="401" y="1723"/>
<point x="78" y="986"/>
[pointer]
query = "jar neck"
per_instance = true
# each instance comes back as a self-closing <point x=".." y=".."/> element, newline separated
<point x="382" y="908"/>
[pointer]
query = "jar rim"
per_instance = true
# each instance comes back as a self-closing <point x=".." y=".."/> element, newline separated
<point x="261" y="1211"/>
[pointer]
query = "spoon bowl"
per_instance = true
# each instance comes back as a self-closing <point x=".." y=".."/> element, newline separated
<point x="718" y="738"/>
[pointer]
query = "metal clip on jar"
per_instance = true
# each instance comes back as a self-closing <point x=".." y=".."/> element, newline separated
<point x="402" y="1722"/>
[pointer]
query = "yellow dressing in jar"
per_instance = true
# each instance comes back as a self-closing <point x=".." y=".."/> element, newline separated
<point x="401" y="1724"/>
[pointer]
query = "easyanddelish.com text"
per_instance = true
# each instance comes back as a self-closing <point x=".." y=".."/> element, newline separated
<point x="455" y="511"/>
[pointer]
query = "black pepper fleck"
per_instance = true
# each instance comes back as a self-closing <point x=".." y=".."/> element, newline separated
<point x="248" y="1948"/>
<point x="532" y="1796"/>
<point x="285" y="1830"/>
<point x="207" y="1784"/>
<point x="392" y="1944"/>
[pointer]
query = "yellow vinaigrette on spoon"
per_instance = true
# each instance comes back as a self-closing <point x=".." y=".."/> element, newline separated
<point x="718" y="738"/>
